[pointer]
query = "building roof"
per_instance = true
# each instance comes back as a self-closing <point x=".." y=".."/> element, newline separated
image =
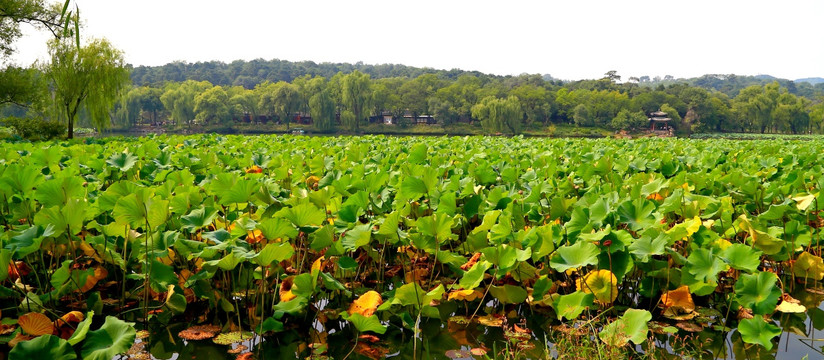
<point x="658" y="113"/>
<point x="659" y="119"/>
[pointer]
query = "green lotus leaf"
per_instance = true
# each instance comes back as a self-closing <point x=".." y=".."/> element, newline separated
<point x="758" y="292"/>
<point x="638" y="214"/>
<point x="758" y="331"/>
<point x="122" y="161"/>
<point x="82" y="329"/>
<point x="277" y="228"/>
<point x="742" y="257"/>
<point x="364" y="324"/>
<point x="572" y="305"/>
<point x="58" y="191"/>
<point x="274" y="252"/>
<point x="357" y="237"/>
<point x="574" y="256"/>
<point x="412" y="188"/>
<point x="198" y="219"/>
<point x="472" y="278"/>
<point x="632" y="326"/>
<point x="438" y="226"/>
<point x="303" y="215"/>
<point x="704" y="265"/>
<point x="508" y="294"/>
<point x="114" y="337"/>
<point x="43" y="347"/>
<point x="68" y="217"/>
<point x="647" y="246"/>
<point x="232" y="337"/>
<point x="28" y="241"/>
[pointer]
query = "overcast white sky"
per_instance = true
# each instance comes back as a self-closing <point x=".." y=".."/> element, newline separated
<point x="570" y="39"/>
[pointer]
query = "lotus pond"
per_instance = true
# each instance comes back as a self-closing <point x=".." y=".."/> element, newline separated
<point x="282" y="247"/>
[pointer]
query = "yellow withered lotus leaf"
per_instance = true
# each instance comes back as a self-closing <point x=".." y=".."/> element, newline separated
<point x="656" y="197"/>
<point x="67" y="323"/>
<point x="679" y="297"/>
<point x="36" y="324"/>
<point x="286" y="289"/>
<point x="491" y="320"/>
<point x="809" y="266"/>
<point x="72" y="317"/>
<point x="255" y="236"/>
<point x="366" y="304"/>
<point x="466" y="295"/>
<point x="312" y="181"/>
<point x="790" y="305"/>
<point x="100" y="273"/>
<point x="601" y="283"/>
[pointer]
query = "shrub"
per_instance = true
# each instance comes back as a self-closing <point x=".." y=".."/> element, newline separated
<point x="35" y="129"/>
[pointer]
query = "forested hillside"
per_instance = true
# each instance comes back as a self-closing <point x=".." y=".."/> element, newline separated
<point x="346" y="96"/>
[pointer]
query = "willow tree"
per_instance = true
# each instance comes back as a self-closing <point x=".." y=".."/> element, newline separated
<point x="499" y="115"/>
<point x="322" y="109"/>
<point x="90" y="77"/>
<point x="357" y="95"/>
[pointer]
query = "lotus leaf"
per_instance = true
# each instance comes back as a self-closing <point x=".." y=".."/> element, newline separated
<point x="758" y="331"/>
<point x="113" y="338"/>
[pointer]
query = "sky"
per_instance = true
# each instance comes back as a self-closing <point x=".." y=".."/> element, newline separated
<point x="570" y="39"/>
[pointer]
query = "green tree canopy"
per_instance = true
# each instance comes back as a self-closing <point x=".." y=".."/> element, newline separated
<point x="90" y="77"/>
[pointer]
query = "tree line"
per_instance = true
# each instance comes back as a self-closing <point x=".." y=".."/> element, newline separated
<point x="497" y="104"/>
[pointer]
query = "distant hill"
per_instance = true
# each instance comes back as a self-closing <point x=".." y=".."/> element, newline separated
<point x="812" y="80"/>
<point x="250" y="73"/>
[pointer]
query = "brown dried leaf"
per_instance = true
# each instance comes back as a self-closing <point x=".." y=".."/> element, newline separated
<point x="36" y="324"/>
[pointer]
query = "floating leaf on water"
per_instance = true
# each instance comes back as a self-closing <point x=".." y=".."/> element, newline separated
<point x="661" y="328"/>
<point x="790" y="305"/>
<point x="232" y="337"/>
<point x="459" y="319"/>
<point x="816" y="291"/>
<point x="758" y="331"/>
<point x="237" y="349"/>
<point x="245" y="356"/>
<point x="458" y="354"/>
<point x="199" y="332"/>
<point x="721" y="328"/>
<point x="492" y="320"/>
<point x="477" y="351"/>
<point x="36" y="324"/>
<point x="689" y="326"/>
